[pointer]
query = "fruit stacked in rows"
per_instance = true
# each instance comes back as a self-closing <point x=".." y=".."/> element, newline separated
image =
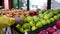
<point x="10" y="17"/>
<point x="14" y="12"/>
<point x="34" y="22"/>
<point x="52" y="30"/>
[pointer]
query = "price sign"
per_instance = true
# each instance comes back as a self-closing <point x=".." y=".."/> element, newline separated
<point x="35" y="4"/>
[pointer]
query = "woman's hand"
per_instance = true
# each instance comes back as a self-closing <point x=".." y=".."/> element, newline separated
<point x="18" y="20"/>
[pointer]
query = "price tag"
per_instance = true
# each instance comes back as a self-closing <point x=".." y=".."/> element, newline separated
<point x="26" y="32"/>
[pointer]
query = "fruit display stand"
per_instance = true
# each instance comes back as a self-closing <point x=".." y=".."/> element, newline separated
<point x="8" y="15"/>
<point x="33" y="32"/>
<point x="37" y="30"/>
<point x="45" y="26"/>
<point x="31" y="22"/>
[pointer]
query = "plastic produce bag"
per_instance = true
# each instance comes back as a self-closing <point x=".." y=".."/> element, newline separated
<point x="0" y="31"/>
<point x="5" y="22"/>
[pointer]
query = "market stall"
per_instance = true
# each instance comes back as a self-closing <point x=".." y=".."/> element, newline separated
<point x="30" y="17"/>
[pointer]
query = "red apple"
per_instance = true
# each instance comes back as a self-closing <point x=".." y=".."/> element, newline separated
<point x="58" y="31"/>
<point x="43" y="32"/>
<point x="58" y="24"/>
<point x="55" y="28"/>
<point x="3" y="13"/>
<point x="55" y="33"/>
<point x="14" y="14"/>
<point x="10" y="14"/>
<point x="7" y="15"/>
<point x="50" y="30"/>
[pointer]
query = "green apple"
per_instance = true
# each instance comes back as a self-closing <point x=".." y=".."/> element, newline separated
<point x="41" y="15"/>
<point x="48" y="21"/>
<point x="55" y="17"/>
<point x="21" y="30"/>
<point x="32" y="23"/>
<point x="50" y="10"/>
<point x="42" y="11"/>
<point x="26" y="26"/>
<point x="43" y="22"/>
<point x="52" y="19"/>
<point x="33" y="28"/>
<point x="41" y="19"/>
<point x="39" y="25"/>
<point x="56" y="11"/>
<point x="26" y="30"/>
<point x="29" y="19"/>
<point x="46" y="16"/>
<point x="46" y="12"/>
<point x="50" y="14"/>
<point x="35" y="18"/>
<point x="18" y="26"/>
<point x="22" y="16"/>
<point x="58" y="15"/>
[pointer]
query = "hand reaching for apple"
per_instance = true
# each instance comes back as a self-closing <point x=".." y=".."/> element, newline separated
<point x="18" y="20"/>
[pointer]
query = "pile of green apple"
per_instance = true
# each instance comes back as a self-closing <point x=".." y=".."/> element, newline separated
<point x="44" y="17"/>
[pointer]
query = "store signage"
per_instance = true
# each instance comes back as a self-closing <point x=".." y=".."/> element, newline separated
<point x="58" y="1"/>
<point x="55" y="4"/>
<point x="35" y="4"/>
<point x="23" y="4"/>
